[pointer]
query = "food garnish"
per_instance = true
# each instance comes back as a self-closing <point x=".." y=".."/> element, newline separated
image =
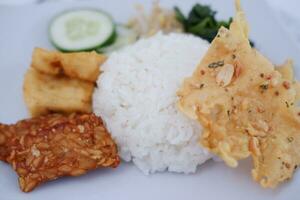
<point x="82" y="30"/>
<point x="201" y="21"/>
<point x="88" y="29"/>
<point x="243" y="118"/>
<point x="49" y="147"/>
<point x="125" y="37"/>
<point x="158" y="20"/>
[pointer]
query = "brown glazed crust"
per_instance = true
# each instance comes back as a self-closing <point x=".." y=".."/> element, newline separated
<point x="48" y="147"/>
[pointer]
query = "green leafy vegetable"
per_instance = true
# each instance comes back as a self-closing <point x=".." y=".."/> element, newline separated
<point x="201" y="22"/>
<point x="179" y="16"/>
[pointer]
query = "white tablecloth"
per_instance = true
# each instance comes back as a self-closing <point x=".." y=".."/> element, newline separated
<point x="286" y="12"/>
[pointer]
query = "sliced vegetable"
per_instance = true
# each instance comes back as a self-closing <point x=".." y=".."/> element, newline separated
<point x="81" y="30"/>
<point x="125" y="36"/>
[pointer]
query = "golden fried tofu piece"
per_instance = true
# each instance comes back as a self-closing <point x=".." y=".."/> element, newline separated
<point x="245" y="106"/>
<point x="47" y="62"/>
<point x="81" y="65"/>
<point x="48" y="147"/>
<point x="61" y="82"/>
<point x="45" y="93"/>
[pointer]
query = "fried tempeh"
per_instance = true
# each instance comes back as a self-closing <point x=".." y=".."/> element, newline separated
<point x="48" y="147"/>
<point x="81" y="65"/>
<point x="45" y="93"/>
<point x="245" y="106"/>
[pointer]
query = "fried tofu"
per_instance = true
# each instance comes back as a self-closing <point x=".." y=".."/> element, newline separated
<point x="246" y="107"/>
<point x="61" y="82"/>
<point x="80" y="65"/>
<point x="47" y="62"/>
<point x="49" y="147"/>
<point x="45" y="93"/>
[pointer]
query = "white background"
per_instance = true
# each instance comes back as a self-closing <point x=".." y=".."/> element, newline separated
<point x="23" y="28"/>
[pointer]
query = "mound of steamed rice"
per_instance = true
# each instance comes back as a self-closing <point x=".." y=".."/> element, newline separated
<point x="136" y="97"/>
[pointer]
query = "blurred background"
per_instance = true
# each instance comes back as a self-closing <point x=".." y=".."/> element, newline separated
<point x="286" y="11"/>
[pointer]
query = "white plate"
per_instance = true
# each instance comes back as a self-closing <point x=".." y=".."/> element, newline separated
<point x="23" y="28"/>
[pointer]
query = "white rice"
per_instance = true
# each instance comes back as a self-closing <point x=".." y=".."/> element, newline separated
<point x="136" y="97"/>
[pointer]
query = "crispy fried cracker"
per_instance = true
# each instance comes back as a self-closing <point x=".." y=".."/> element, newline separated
<point x="245" y="106"/>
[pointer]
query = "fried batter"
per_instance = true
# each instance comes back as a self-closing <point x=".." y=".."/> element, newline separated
<point x="245" y="106"/>
<point x="48" y="147"/>
<point x="61" y="82"/>
<point x="44" y="94"/>
<point x="81" y="65"/>
<point x="286" y="70"/>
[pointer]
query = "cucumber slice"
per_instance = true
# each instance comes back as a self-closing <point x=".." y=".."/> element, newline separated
<point x="110" y="41"/>
<point x="125" y="36"/>
<point x="81" y="30"/>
